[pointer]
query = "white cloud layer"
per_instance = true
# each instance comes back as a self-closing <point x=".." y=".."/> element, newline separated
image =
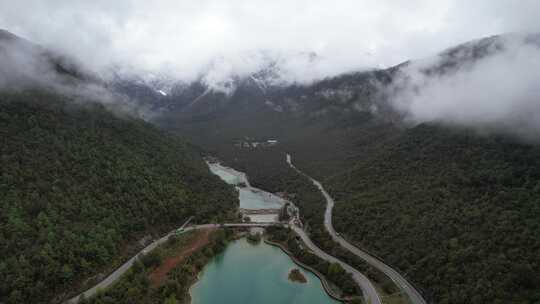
<point x="500" y="92"/>
<point x="183" y="38"/>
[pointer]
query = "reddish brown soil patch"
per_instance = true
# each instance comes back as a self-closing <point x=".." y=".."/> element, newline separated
<point x="159" y="275"/>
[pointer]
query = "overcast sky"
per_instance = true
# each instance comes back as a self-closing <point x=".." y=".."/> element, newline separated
<point x="184" y="36"/>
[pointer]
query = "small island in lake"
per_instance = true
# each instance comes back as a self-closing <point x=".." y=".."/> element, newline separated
<point x="296" y="276"/>
<point x="254" y="238"/>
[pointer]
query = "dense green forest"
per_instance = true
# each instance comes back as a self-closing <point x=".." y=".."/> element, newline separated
<point x="79" y="184"/>
<point x="457" y="212"/>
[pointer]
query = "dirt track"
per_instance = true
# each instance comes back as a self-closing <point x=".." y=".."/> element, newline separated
<point x="159" y="275"/>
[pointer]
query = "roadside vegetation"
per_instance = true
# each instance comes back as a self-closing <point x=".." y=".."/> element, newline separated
<point x="140" y="284"/>
<point x="344" y="285"/>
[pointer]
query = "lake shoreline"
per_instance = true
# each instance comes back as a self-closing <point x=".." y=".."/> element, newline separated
<point x="238" y="179"/>
<point x="311" y="276"/>
<point x="324" y="282"/>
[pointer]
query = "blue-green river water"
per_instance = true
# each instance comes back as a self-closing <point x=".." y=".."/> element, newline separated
<point x="250" y="198"/>
<point x="255" y="274"/>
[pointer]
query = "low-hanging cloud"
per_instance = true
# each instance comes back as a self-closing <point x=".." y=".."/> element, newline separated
<point x="217" y="41"/>
<point x="182" y="39"/>
<point x="498" y="92"/>
<point x="24" y="66"/>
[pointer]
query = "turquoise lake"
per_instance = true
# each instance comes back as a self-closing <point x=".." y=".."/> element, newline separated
<point x="255" y="274"/>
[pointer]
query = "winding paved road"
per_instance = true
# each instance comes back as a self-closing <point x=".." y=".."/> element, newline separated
<point x="122" y="269"/>
<point x="370" y="294"/>
<point x="400" y="281"/>
<point x="115" y="275"/>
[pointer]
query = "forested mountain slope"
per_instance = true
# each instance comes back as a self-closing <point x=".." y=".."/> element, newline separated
<point x="457" y="212"/>
<point x="78" y="184"/>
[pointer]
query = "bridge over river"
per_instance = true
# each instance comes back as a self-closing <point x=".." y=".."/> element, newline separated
<point x="258" y="211"/>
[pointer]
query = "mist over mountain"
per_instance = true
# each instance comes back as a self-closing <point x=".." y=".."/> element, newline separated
<point x="181" y="38"/>
<point x="421" y="118"/>
<point x="490" y="84"/>
<point x="27" y="64"/>
<point x="487" y="84"/>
